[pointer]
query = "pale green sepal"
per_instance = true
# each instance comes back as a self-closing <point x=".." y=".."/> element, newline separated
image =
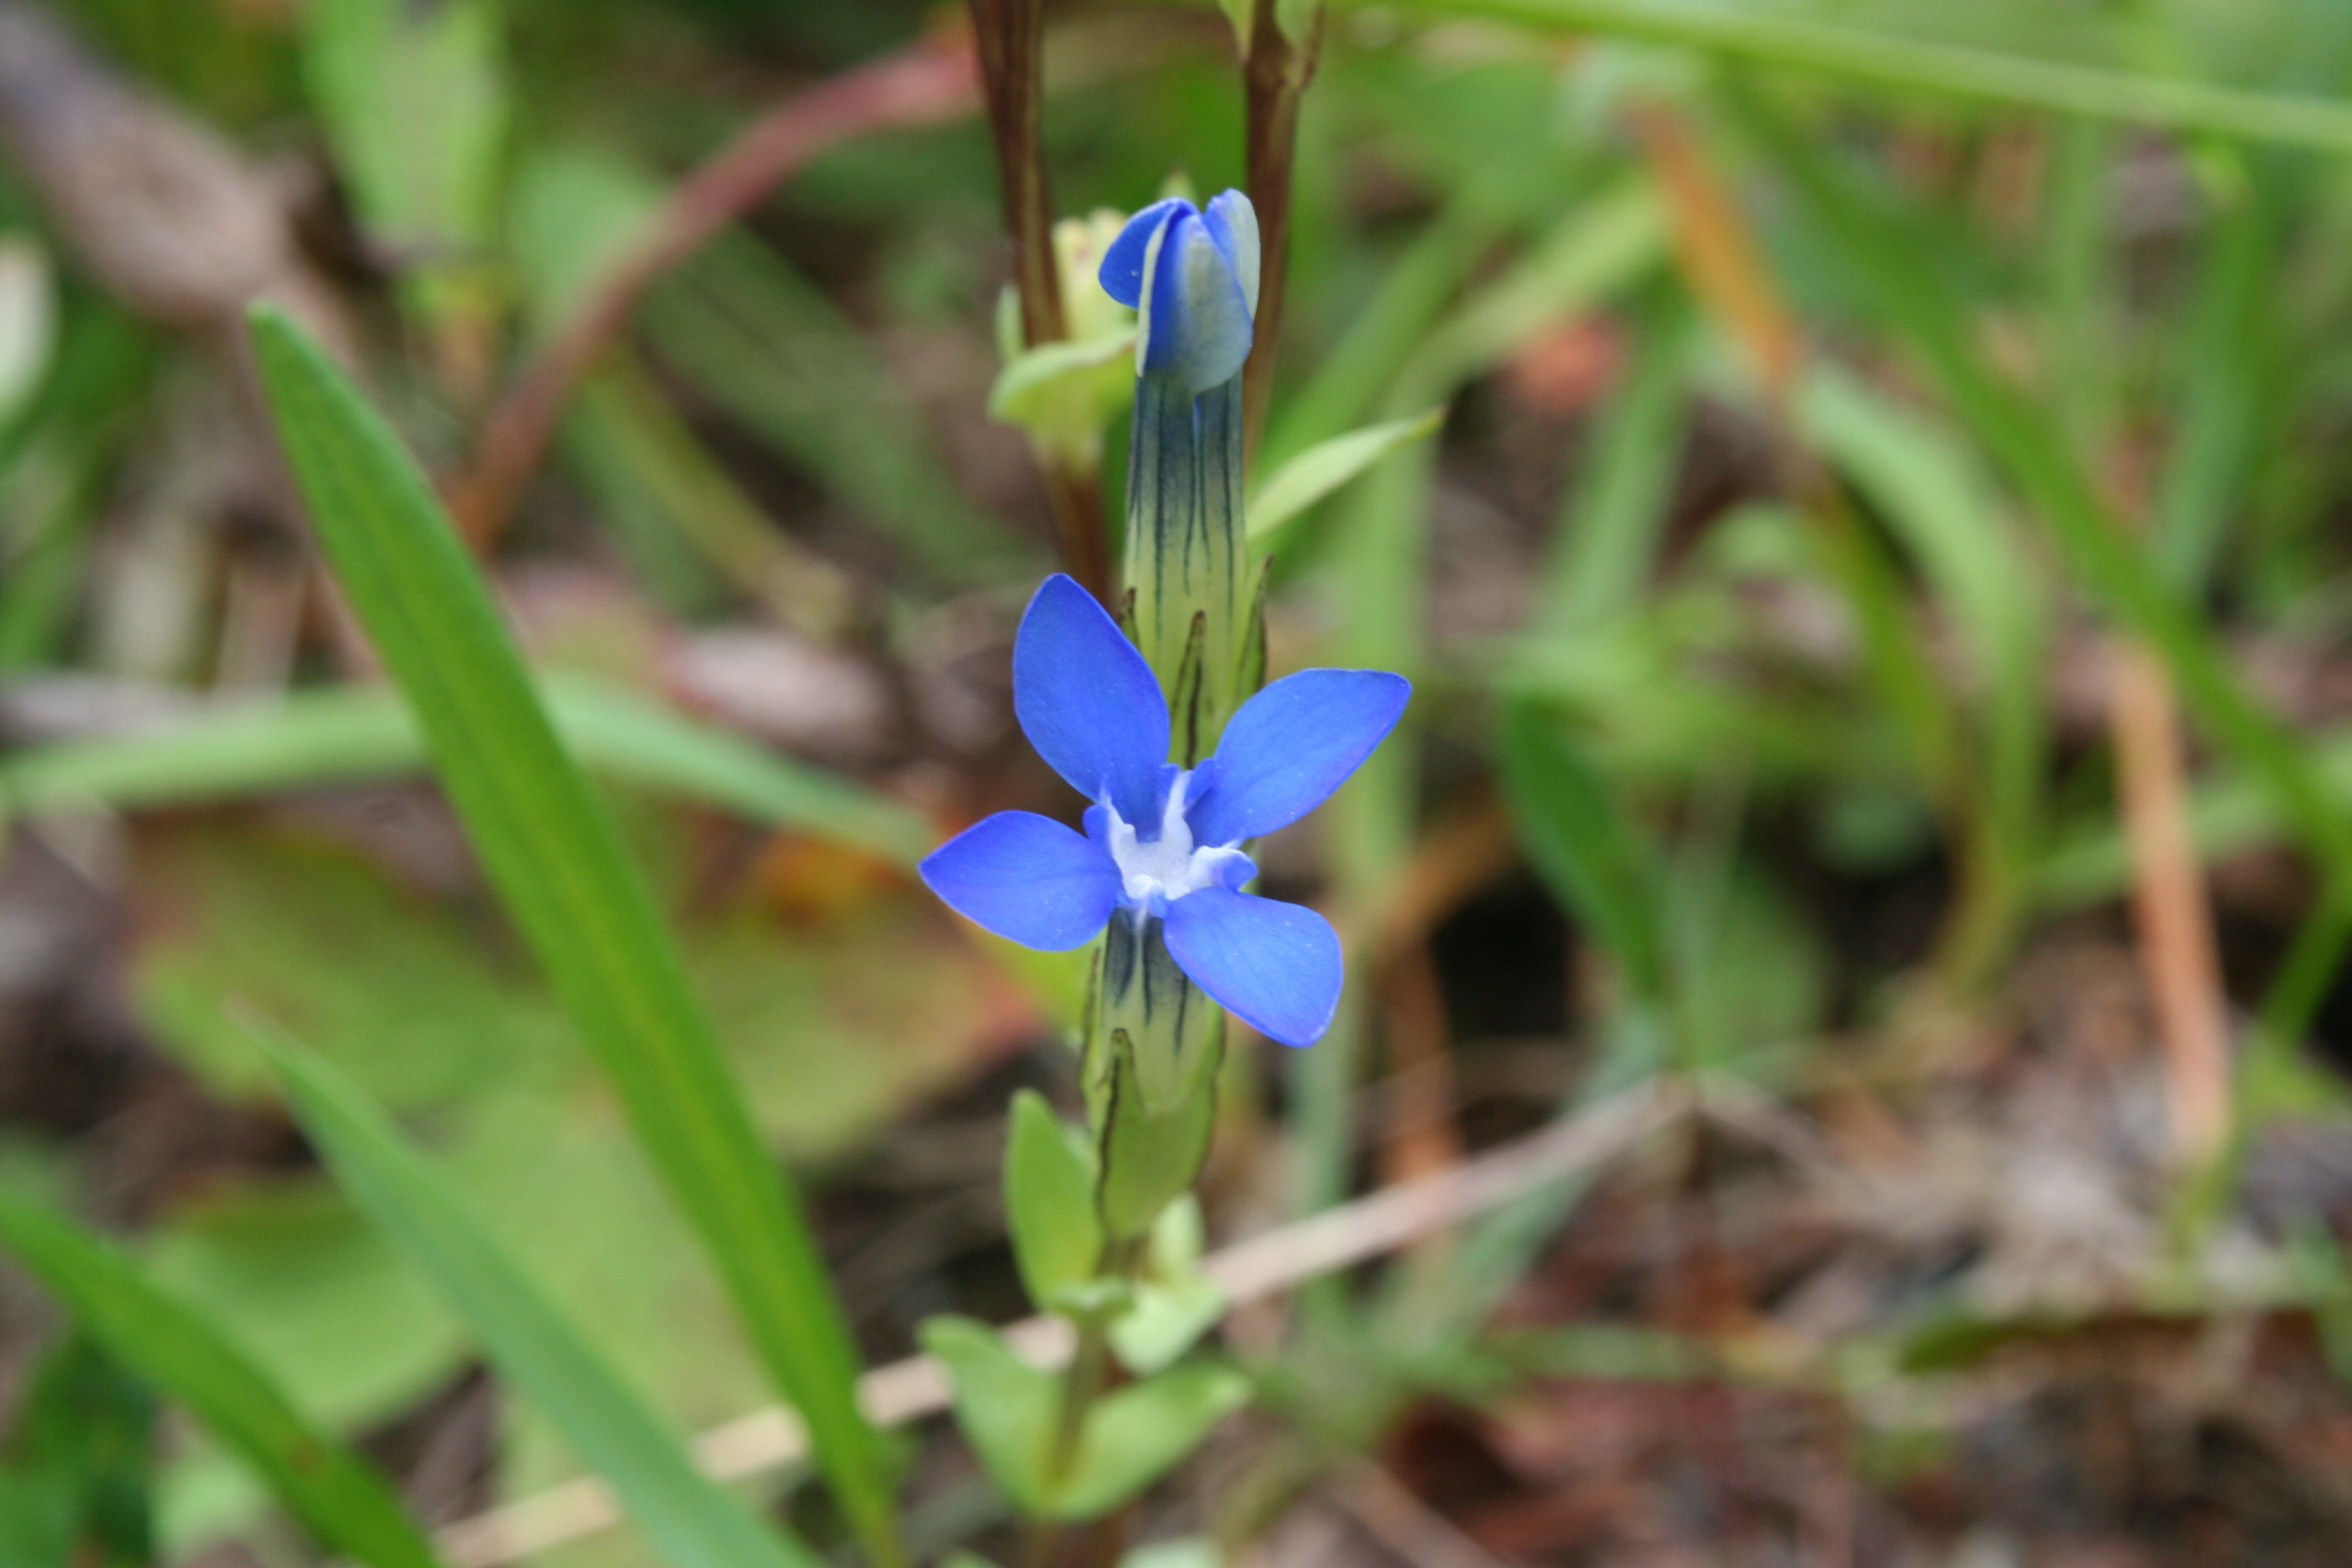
<point x="1152" y="1156"/>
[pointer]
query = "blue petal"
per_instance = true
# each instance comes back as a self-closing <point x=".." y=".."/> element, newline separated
<point x="1027" y="879"/>
<point x="1291" y="746"/>
<point x="1089" y="702"/>
<point x="1122" y="263"/>
<point x="1275" y="966"/>
<point x="1193" y="329"/>
<point x="1232" y="224"/>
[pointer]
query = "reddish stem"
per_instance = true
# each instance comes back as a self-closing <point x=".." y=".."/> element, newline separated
<point x="930" y="81"/>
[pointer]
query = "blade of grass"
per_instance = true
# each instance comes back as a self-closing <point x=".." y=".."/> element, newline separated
<point x="336" y="1494"/>
<point x="1613" y="517"/>
<point x="342" y="733"/>
<point x="691" y="1522"/>
<point x="1912" y="300"/>
<point x="1958" y="70"/>
<point x="556" y="858"/>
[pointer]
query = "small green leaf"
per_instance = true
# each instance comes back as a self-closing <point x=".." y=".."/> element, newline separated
<point x="1135" y="1435"/>
<point x="691" y="1521"/>
<point x="1166" y="1320"/>
<point x="1049" y="1201"/>
<point x="1327" y="465"/>
<point x="332" y="1490"/>
<point x="1005" y="1406"/>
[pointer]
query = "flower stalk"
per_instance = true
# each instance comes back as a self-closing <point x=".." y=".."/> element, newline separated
<point x="1282" y="42"/>
<point x="1009" y="38"/>
<point x="1166" y="727"/>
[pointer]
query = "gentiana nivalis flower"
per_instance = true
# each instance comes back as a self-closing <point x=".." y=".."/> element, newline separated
<point x="1191" y="276"/>
<point x="1161" y="842"/>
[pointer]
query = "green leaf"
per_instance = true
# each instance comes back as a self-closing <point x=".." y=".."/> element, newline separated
<point x="691" y="1522"/>
<point x="556" y="859"/>
<point x="1049" y="1201"/>
<point x="1008" y="1410"/>
<point x="1135" y="1435"/>
<point x="332" y="1491"/>
<point x="1325" y="467"/>
<point x="1583" y="845"/>
<point x="1005" y="1406"/>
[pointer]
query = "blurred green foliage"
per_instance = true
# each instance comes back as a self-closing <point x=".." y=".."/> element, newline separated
<point x="2070" y="359"/>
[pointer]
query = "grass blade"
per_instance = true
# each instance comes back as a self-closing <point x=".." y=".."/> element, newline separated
<point x="1958" y="70"/>
<point x="1584" y="846"/>
<point x="1913" y="300"/>
<point x="691" y="1522"/>
<point x="337" y="735"/>
<point x="343" y="1501"/>
<point x="557" y="860"/>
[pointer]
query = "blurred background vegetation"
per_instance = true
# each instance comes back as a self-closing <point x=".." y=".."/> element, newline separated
<point x="1881" y="601"/>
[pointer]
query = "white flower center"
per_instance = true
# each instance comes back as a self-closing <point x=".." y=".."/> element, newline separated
<point x="1169" y="867"/>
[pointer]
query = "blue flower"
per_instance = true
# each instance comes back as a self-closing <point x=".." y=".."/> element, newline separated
<point x="1164" y="843"/>
<point x="1191" y="276"/>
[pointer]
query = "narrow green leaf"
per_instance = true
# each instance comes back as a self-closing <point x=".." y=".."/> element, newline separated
<point x="691" y="1522"/>
<point x="1049" y="1201"/>
<point x="1582" y="844"/>
<point x="331" y="1489"/>
<point x="1326" y="466"/>
<point x="1135" y="1435"/>
<point x="554" y="853"/>
<point x="1614" y="515"/>
<point x="340" y="734"/>
<point x="1774" y="35"/>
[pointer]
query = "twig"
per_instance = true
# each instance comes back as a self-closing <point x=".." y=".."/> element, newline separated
<point x="1247" y="1271"/>
<point x="2170" y="914"/>
<point x="929" y="82"/>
